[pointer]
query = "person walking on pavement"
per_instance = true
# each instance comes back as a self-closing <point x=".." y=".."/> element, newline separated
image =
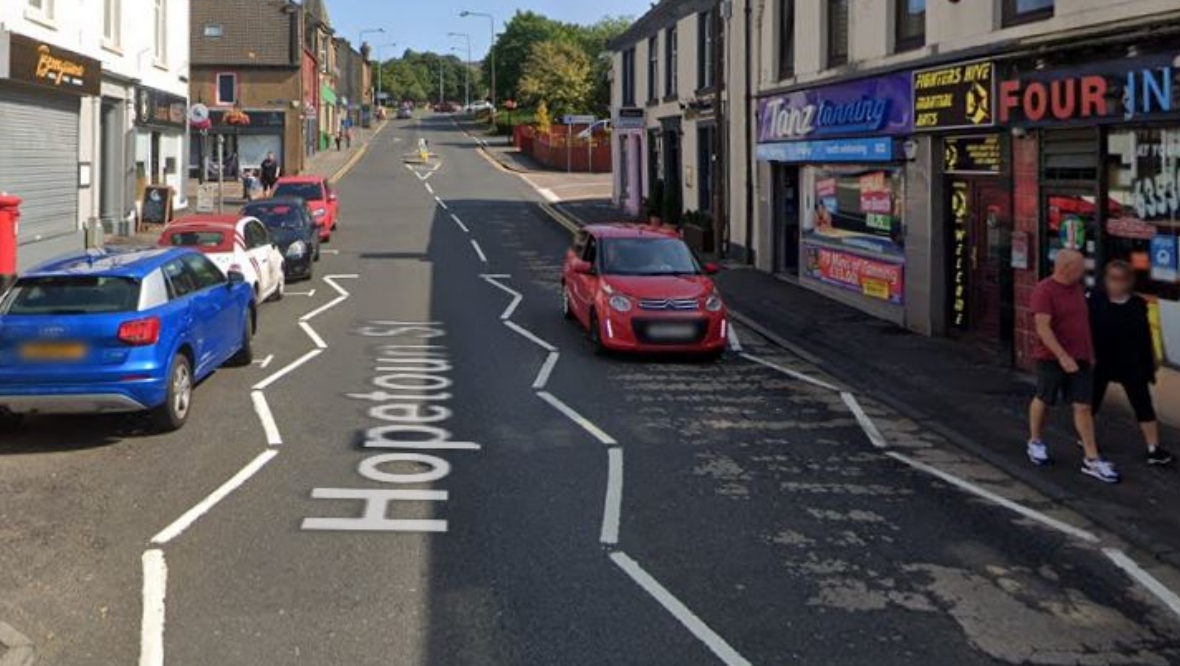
<point x="270" y="174"/>
<point x="339" y="138"/>
<point x="1064" y="353"/>
<point x="1125" y="351"/>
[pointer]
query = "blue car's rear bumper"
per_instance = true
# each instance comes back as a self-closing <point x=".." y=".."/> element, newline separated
<point x="130" y="396"/>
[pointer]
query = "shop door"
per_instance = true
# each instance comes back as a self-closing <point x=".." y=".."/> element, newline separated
<point x="786" y="219"/>
<point x="989" y="232"/>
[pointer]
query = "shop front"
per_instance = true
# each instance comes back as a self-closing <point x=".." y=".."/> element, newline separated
<point x="44" y="90"/>
<point x="160" y="128"/>
<point x="1108" y="134"/>
<point x="630" y="131"/>
<point x="955" y="104"/>
<point x="248" y="136"/>
<point x="838" y="189"/>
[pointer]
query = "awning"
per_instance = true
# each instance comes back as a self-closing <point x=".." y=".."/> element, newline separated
<point x="327" y="95"/>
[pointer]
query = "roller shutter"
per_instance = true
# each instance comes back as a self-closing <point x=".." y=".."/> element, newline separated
<point x="39" y="160"/>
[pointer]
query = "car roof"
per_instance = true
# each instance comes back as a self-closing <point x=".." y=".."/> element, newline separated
<point x="301" y="179"/>
<point x="213" y="222"/>
<point x="276" y="201"/>
<point x="133" y="262"/>
<point x="631" y="230"/>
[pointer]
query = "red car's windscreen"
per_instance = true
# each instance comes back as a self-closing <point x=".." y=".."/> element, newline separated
<point x="204" y="240"/>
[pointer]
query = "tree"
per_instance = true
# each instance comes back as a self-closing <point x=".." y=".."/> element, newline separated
<point x="594" y="40"/>
<point x="558" y="73"/>
<point x="514" y="46"/>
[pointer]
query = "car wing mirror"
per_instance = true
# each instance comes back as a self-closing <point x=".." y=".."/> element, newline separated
<point x="583" y="267"/>
<point x="235" y="278"/>
<point x="712" y="268"/>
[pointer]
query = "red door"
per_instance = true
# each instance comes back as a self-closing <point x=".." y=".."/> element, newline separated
<point x="989" y="232"/>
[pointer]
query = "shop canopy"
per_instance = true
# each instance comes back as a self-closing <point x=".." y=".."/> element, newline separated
<point x="327" y="94"/>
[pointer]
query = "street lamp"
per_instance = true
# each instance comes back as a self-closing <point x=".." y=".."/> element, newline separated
<point x="381" y="68"/>
<point x="491" y="52"/>
<point x="367" y="31"/>
<point x="467" y="70"/>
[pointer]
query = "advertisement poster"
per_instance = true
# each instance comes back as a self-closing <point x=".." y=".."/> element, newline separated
<point x="875" y="279"/>
<point x="875" y="194"/>
<point x="1165" y="266"/>
<point x="960" y="211"/>
<point x="854" y="209"/>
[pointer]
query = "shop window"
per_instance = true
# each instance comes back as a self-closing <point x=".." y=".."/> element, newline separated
<point x="837" y="33"/>
<point x="786" y="39"/>
<point x="1025" y="11"/>
<point x="227" y="89"/>
<point x="1143" y="206"/>
<point x="853" y="236"/>
<point x="653" y="68"/>
<point x="671" y="77"/>
<point x="911" y="25"/>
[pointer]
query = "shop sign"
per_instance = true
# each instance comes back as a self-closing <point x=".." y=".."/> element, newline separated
<point x="960" y="211"/>
<point x="954" y="97"/>
<point x="158" y="108"/>
<point x="875" y="279"/>
<point x="978" y="155"/>
<point x="630" y="118"/>
<point x="1020" y="249"/>
<point x="880" y="106"/>
<point x="1073" y="233"/>
<point x="258" y="120"/>
<point x="1165" y="264"/>
<point x="1115" y="91"/>
<point x="877" y="149"/>
<point x="34" y="62"/>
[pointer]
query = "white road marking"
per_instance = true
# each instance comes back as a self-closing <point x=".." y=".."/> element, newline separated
<point x="262" y="409"/>
<point x="577" y="418"/>
<point x="479" y="250"/>
<point x="495" y="276"/>
<point x="315" y="337"/>
<point x="791" y="373"/>
<point x="429" y="188"/>
<point x="309" y="294"/>
<point x="863" y="419"/>
<point x="963" y="484"/>
<point x="694" y="624"/>
<point x="734" y="343"/>
<point x="287" y="369"/>
<point x="329" y="251"/>
<point x="460" y="223"/>
<point x="441" y="203"/>
<point x="151" y="624"/>
<point x="517" y="297"/>
<point x="613" y="505"/>
<point x="546" y="370"/>
<point x="331" y="280"/>
<point x="201" y="508"/>
<point x="1153" y="585"/>
<point x="263" y="362"/>
<point x="529" y="335"/>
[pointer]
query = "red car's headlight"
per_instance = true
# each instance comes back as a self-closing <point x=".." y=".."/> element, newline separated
<point x="714" y="303"/>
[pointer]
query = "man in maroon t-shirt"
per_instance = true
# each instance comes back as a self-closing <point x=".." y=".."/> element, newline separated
<point x="1064" y="352"/>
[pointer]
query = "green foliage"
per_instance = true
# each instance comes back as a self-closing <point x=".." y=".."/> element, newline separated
<point x="544" y="119"/>
<point x="415" y="77"/>
<point x="559" y="75"/>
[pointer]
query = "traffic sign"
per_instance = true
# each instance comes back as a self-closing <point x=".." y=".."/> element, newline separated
<point x="577" y="120"/>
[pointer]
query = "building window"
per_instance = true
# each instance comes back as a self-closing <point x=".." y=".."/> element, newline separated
<point x="837" y="33"/>
<point x="786" y="39"/>
<point x="214" y="30"/>
<point x="629" y="77"/>
<point x="705" y="46"/>
<point x="112" y="22"/>
<point x="1023" y="11"/>
<point x="911" y="24"/>
<point x="40" y="9"/>
<point x="227" y="89"/>
<point x="671" y="83"/>
<point x="160" y="33"/>
<point x="653" y="68"/>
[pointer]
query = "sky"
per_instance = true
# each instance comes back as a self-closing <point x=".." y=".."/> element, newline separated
<point x="422" y="25"/>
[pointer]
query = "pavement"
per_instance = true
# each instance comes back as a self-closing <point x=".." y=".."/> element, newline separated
<point x="428" y="466"/>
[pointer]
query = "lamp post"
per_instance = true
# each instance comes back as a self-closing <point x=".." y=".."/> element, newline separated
<point x="491" y="53"/>
<point x="381" y="68"/>
<point x="360" y="38"/>
<point x="467" y="69"/>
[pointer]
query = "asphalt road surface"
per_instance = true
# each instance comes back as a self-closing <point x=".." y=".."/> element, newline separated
<point x="432" y="468"/>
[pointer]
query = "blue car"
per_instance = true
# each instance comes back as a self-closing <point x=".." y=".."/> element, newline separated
<point x="121" y="331"/>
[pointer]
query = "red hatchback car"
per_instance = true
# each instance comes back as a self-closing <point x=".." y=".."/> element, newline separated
<point x="320" y="197"/>
<point x="641" y="289"/>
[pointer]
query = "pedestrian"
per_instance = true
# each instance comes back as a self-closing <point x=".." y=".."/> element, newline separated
<point x="339" y="138"/>
<point x="270" y="174"/>
<point x="1064" y="352"/>
<point x="348" y="138"/>
<point x="1126" y="352"/>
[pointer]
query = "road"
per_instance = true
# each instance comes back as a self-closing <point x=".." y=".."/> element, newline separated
<point x="433" y="468"/>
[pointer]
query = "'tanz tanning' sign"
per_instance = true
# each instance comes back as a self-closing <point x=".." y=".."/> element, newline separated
<point x="880" y="106"/>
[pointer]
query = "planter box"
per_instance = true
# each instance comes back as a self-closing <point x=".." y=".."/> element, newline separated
<point x="699" y="238"/>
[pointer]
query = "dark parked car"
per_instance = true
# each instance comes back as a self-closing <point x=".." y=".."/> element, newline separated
<point x="293" y="228"/>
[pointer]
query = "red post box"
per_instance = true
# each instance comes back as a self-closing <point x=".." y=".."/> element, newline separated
<point x="9" y="231"/>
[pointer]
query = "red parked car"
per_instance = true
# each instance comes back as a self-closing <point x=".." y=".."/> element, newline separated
<point x="320" y="197"/>
<point x="641" y="289"/>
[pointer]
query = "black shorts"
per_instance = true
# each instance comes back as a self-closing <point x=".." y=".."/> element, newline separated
<point x="1054" y="383"/>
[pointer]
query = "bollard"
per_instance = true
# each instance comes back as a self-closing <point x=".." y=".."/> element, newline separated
<point x="9" y="233"/>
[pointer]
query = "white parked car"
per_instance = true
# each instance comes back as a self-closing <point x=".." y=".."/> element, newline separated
<point x="234" y="243"/>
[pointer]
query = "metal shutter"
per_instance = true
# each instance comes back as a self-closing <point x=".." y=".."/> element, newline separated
<point x="39" y="160"/>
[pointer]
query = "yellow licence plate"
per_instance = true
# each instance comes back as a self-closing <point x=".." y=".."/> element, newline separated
<point x="53" y="351"/>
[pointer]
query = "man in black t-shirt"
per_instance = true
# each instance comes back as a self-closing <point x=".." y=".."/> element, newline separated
<point x="270" y="174"/>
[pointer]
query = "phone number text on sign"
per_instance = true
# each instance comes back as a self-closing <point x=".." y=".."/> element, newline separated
<point x="876" y="279"/>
